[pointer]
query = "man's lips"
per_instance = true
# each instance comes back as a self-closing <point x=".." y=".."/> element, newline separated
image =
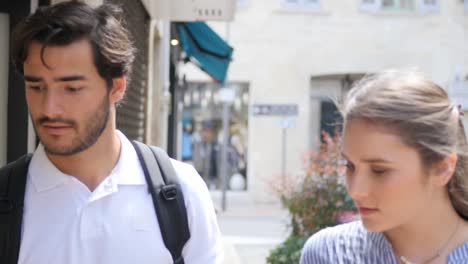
<point x="56" y="128"/>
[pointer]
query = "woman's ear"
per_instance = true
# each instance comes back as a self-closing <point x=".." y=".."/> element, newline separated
<point x="117" y="92"/>
<point x="444" y="169"/>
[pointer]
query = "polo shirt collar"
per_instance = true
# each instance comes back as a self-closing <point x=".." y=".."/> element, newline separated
<point x="44" y="175"/>
<point x="128" y="170"/>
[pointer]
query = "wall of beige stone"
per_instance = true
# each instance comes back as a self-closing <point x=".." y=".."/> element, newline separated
<point x="278" y="52"/>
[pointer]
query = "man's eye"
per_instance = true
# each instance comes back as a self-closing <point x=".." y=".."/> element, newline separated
<point x="35" y="87"/>
<point x="73" y="89"/>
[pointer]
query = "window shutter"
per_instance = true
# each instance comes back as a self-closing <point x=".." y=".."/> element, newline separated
<point x="370" y="5"/>
<point x="426" y="6"/>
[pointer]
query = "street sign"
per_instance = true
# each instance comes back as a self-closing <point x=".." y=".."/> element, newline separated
<point x="191" y="10"/>
<point x="275" y="109"/>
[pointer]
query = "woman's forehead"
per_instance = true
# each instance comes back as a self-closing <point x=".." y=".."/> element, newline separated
<point x="370" y="140"/>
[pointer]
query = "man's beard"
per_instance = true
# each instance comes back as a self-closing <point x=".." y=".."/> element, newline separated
<point x="94" y="127"/>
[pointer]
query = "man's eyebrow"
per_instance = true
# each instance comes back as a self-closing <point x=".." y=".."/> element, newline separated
<point x="70" y="78"/>
<point x="32" y="78"/>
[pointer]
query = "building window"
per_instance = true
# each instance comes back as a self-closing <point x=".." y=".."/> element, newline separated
<point x="301" y="4"/>
<point x="400" y="5"/>
<point x="466" y="5"/>
<point x="202" y="122"/>
<point x="370" y="5"/>
<point x="330" y="119"/>
<point x="242" y="3"/>
<point x="429" y="5"/>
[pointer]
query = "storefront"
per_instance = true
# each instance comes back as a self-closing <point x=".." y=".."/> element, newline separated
<point x="202" y="133"/>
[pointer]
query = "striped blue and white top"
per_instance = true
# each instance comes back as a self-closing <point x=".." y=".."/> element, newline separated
<point x="351" y="244"/>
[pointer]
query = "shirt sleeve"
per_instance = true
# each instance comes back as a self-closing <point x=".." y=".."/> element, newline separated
<point x="204" y="245"/>
<point x="315" y="250"/>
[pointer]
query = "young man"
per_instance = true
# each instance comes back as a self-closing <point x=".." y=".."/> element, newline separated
<point x="86" y="197"/>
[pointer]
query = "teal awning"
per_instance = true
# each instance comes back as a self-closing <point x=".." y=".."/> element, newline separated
<point x="205" y="48"/>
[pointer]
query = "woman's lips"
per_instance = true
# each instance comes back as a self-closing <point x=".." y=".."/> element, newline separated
<point x="365" y="211"/>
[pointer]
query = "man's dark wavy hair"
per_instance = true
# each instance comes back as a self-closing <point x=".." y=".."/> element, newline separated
<point x="67" y="22"/>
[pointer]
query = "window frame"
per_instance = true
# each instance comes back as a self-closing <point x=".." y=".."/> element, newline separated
<point x="418" y="6"/>
<point x="424" y="7"/>
<point x="373" y="7"/>
<point x="242" y="3"/>
<point x="301" y="5"/>
<point x="397" y="6"/>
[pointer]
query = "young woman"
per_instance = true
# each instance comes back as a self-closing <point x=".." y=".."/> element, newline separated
<point x="407" y="172"/>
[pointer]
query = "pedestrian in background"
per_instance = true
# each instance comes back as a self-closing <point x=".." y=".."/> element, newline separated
<point x="407" y="172"/>
<point x="206" y="154"/>
<point x="187" y="143"/>
<point x="86" y="197"/>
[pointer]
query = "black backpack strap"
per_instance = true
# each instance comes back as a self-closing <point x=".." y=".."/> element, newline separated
<point x="12" y="188"/>
<point x="167" y="197"/>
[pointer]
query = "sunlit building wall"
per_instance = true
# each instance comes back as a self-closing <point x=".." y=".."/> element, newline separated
<point x="304" y="52"/>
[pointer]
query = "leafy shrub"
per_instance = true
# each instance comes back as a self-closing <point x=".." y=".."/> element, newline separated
<point x="288" y="252"/>
<point x="316" y="200"/>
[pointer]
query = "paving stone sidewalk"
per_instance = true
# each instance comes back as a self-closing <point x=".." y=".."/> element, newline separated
<point x="250" y="228"/>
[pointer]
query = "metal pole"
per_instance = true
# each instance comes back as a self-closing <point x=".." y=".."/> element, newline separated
<point x="224" y="167"/>
<point x="283" y="153"/>
<point x="226" y="114"/>
<point x="165" y="82"/>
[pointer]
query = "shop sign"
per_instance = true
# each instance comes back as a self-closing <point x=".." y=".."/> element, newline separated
<point x="191" y="10"/>
<point x="275" y="109"/>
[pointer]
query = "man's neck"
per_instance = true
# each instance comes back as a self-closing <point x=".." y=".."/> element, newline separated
<point x="94" y="164"/>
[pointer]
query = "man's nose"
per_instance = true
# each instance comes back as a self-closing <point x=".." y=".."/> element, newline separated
<point x="52" y="104"/>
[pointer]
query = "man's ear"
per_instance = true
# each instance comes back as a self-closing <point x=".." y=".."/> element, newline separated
<point x="444" y="169"/>
<point x="119" y="85"/>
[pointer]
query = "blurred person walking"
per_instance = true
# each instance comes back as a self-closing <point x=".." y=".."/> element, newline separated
<point x="206" y="154"/>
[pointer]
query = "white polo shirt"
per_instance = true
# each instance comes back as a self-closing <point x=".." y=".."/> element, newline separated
<point x="65" y="223"/>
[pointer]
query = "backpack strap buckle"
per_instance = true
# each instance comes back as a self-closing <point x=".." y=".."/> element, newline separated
<point x="169" y="192"/>
<point x="179" y="260"/>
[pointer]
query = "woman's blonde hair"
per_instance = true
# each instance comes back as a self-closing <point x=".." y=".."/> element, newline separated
<point x="423" y="115"/>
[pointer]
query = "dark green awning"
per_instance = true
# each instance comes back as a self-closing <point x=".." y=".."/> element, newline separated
<point x="205" y="48"/>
